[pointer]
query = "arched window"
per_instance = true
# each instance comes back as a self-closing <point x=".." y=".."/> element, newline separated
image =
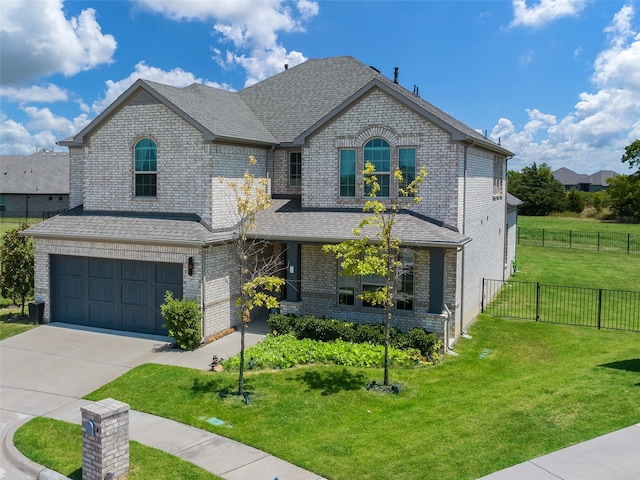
<point x="146" y="164"/>
<point x="378" y="152"/>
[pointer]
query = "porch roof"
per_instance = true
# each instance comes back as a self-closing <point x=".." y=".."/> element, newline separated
<point x="285" y="221"/>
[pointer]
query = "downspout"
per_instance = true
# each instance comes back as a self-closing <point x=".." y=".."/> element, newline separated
<point x="505" y="250"/>
<point x="203" y="289"/>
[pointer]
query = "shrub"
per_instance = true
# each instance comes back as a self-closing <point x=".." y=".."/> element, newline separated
<point x="331" y="330"/>
<point x="575" y="201"/>
<point x="182" y="319"/>
<point x="286" y="351"/>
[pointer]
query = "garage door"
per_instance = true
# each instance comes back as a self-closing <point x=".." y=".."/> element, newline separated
<point x="116" y="294"/>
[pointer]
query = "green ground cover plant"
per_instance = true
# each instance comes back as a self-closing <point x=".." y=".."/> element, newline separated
<point x="58" y="446"/>
<point x="537" y="388"/>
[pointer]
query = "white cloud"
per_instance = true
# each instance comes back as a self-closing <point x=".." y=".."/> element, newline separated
<point x="17" y="140"/>
<point x="593" y="135"/>
<point x="544" y="12"/>
<point x="38" y="40"/>
<point x="49" y="93"/>
<point x="526" y="58"/>
<point x="251" y="26"/>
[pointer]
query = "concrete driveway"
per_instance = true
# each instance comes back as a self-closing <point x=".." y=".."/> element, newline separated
<point x="49" y="368"/>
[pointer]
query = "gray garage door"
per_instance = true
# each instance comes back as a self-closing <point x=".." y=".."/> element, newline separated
<point x="116" y="294"/>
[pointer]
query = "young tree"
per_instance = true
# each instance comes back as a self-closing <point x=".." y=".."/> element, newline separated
<point x="380" y="255"/>
<point x="540" y="192"/>
<point x="17" y="266"/>
<point x="575" y="202"/>
<point x="258" y="267"/>
<point x="632" y="154"/>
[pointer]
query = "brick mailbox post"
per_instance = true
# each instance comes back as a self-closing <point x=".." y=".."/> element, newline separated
<point x="105" y="440"/>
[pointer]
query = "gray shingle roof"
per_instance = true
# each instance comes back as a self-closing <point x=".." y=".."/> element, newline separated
<point x="569" y="177"/>
<point x="43" y="172"/>
<point x="223" y="113"/>
<point x="285" y="221"/>
<point x="295" y="100"/>
<point x="112" y="227"/>
<point x="601" y="176"/>
<point x="513" y="201"/>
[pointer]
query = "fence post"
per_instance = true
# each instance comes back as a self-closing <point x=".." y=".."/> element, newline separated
<point x="628" y="242"/>
<point x="570" y="238"/>
<point x="598" y="241"/>
<point x="537" y="301"/>
<point x="482" y="299"/>
<point x="543" y="237"/>
<point x="599" y="307"/>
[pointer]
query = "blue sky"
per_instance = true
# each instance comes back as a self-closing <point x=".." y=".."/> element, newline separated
<point x="558" y="81"/>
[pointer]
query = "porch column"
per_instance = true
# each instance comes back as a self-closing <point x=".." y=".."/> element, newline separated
<point x="293" y="276"/>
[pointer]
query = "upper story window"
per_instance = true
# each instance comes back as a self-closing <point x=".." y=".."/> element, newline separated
<point x="295" y="169"/>
<point x="407" y="165"/>
<point x="378" y="152"/>
<point x="497" y="176"/>
<point x="146" y="165"/>
<point x="348" y="173"/>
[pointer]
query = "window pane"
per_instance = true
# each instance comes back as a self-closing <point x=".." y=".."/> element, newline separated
<point x="145" y="185"/>
<point x="407" y="165"/>
<point x="405" y="286"/>
<point x="378" y="152"/>
<point x="295" y="169"/>
<point x="347" y="173"/>
<point x="346" y="290"/>
<point x="145" y="156"/>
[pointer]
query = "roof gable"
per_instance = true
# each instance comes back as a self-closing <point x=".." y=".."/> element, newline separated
<point x="217" y="114"/>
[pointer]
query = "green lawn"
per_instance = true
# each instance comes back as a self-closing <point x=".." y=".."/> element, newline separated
<point x="583" y="224"/>
<point x="578" y="268"/>
<point x="58" y="445"/>
<point x="541" y="387"/>
<point x="12" y="324"/>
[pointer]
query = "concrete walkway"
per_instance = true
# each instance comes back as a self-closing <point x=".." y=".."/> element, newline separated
<point x="46" y="371"/>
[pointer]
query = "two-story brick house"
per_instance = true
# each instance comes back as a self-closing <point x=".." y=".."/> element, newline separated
<point x="152" y="215"/>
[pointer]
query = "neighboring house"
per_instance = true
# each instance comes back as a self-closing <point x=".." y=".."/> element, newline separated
<point x="150" y="214"/>
<point x="513" y="203"/>
<point x="34" y="185"/>
<point x="581" y="182"/>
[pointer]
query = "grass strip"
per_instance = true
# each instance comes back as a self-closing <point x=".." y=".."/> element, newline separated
<point x="57" y="445"/>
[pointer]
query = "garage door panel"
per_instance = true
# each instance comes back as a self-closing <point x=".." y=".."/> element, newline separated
<point x="102" y="292"/>
<point x="102" y="268"/>
<point x="104" y="316"/>
<point x="108" y="293"/>
<point x="71" y="288"/>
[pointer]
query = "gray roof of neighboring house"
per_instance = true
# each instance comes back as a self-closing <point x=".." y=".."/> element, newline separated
<point x="601" y="176"/>
<point x="569" y="177"/>
<point x="285" y="221"/>
<point x="41" y="173"/>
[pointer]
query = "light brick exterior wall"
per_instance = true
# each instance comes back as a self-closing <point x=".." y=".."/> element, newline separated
<point x="512" y="232"/>
<point x="184" y="163"/>
<point x="76" y="176"/>
<point x="378" y="115"/>
<point x="320" y="293"/>
<point x="280" y="180"/>
<point x="484" y="222"/>
<point x="221" y="284"/>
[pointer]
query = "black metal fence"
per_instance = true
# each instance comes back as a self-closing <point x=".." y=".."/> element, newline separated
<point x="582" y="240"/>
<point x="591" y="307"/>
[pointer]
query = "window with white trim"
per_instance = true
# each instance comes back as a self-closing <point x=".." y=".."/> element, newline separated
<point x="407" y="165"/>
